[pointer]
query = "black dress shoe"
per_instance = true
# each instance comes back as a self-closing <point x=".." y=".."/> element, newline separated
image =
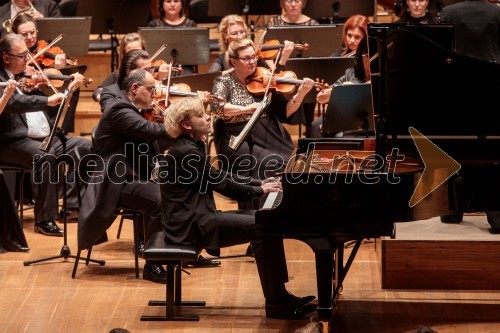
<point x="287" y="310"/>
<point x="452" y="219"/>
<point x="494" y="230"/>
<point x="140" y="248"/>
<point x="299" y="300"/>
<point x="22" y="249"/>
<point x="71" y="215"/>
<point x="249" y="252"/>
<point x="48" y="228"/>
<point x="201" y="263"/>
<point x="154" y="273"/>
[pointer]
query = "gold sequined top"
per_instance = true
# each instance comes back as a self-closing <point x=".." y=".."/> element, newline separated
<point x="232" y="92"/>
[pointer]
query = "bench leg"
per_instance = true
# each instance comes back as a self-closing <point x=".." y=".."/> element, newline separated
<point x="173" y="293"/>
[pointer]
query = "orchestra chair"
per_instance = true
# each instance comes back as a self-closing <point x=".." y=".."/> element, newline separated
<point x="20" y="172"/>
<point x="82" y="171"/>
<point x="172" y="256"/>
<point x="68" y="7"/>
<point x="198" y="12"/>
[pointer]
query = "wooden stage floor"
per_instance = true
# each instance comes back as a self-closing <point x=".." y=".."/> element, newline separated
<point x="44" y="297"/>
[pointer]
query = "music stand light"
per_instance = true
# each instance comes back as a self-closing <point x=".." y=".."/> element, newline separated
<point x="323" y="40"/>
<point x="186" y="45"/>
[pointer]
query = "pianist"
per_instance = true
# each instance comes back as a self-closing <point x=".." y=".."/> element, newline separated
<point x="189" y="215"/>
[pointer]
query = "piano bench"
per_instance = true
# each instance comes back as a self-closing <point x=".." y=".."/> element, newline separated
<point x="171" y="255"/>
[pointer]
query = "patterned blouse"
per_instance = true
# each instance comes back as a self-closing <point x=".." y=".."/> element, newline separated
<point x="278" y="20"/>
<point x="159" y="22"/>
<point x="233" y="92"/>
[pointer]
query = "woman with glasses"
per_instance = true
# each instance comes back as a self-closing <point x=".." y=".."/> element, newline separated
<point x="25" y="25"/>
<point x="417" y="12"/>
<point x="292" y="14"/>
<point x="231" y="28"/>
<point x="268" y="146"/>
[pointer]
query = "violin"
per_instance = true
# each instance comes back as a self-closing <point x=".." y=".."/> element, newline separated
<point x="47" y="57"/>
<point x="268" y="50"/>
<point x="284" y="82"/>
<point x="33" y="79"/>
<point x="155" y="65"/>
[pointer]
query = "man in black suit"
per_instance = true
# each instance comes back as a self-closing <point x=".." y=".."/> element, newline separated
<point x="189" y="215"/>
<point x="24" y="124"/>
<point x="44" y="8"/>
<point x="477" y="32"/>
<point x="126" y="145"/>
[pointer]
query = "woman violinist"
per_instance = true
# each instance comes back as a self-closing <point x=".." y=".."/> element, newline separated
<point x="269" y="146"/>
<point x="355" y="29"/>
<point x="25" y="25"/>
<point x="233" y="27"/>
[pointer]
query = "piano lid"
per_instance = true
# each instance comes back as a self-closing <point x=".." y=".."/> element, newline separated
<point x="430" y="87"/>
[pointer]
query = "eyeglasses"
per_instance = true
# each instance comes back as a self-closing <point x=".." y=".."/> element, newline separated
<point x="236" y="33"/>
<point x="29" y="33"/>
<point x="150" y="89"/>
<point x="23" y="56"/>
<point x="292" y="1"/>
<point x="248" y="59"/>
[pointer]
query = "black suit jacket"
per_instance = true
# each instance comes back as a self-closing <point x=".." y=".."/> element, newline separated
<point x="49" y="8"/>
<point x="119" y="136"/>
<point x="187" y="183"/>
<point x="477" y="28"/>
<point x="13" y="123"/>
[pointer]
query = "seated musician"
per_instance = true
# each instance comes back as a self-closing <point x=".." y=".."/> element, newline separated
<point x="189" y="215"/>
<point x="24" y="125"/>
<point x="360" y="73"/>
<point x="11" y="233"/>
<point x="35" y="8"/>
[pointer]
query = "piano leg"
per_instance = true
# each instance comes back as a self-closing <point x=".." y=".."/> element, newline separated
<point x="324" y="280"/>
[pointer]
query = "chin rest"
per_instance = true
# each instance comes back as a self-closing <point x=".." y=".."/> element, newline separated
<point x="171" y="255"/>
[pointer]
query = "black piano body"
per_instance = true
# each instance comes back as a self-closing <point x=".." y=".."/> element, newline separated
<point x="450" y="98"/>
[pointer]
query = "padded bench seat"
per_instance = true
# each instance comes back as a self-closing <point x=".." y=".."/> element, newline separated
<point x="171" y="255"/>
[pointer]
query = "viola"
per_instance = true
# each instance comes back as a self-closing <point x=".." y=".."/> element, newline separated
<point x="269" y="50"/>
<point x="284" y="82"/>
<point x="47" y="58"/>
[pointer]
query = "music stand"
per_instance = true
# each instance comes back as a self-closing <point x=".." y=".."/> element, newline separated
<point x="323" y="40"/>
<point x="184" y="45"/>
<point x="57" y="130"/>
<point x="76" y="33"/>
<point x="350" y="109"/>
<point x="197" y="82"/>
<point x="114" y="17"/>
<point x="326" y="68"/>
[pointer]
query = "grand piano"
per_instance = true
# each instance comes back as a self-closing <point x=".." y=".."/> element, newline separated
<point x="338" y="190"/>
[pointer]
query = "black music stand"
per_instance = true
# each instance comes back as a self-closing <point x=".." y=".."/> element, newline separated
<point x="329" y="69"/>
<point x="350" y="110"/>
<point x="114" y="17"/>
<point x="184" y="45"/>
<point x="76" y="33"/>
<point x="323" y="40"/>
<point x="201" y="82"/>
<point x="57" y="131"/>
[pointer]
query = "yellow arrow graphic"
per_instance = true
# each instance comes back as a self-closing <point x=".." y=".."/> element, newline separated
<point x="439" y="166"/>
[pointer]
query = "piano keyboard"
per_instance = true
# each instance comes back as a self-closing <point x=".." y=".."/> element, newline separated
<point x="273" y="200"/>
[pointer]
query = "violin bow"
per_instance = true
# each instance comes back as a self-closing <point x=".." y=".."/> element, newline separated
<point x="43" y="74"/>
<point x="160" y="50"/>
<point x="167" y="93"/>
<point x="58" y="38"/>
<point x="261" y="40"/>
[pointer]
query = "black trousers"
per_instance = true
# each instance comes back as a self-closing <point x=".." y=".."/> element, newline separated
<point x="11" y="231"/>
<point x="25" y="152"/>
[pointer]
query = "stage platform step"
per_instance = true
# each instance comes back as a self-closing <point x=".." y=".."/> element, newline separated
<point x="433" y="255"/>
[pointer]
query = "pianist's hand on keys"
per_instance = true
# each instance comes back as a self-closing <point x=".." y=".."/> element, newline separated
<point x="271" y="185"/>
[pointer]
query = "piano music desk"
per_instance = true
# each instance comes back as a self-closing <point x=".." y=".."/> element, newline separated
<point x="429" y="254"/>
